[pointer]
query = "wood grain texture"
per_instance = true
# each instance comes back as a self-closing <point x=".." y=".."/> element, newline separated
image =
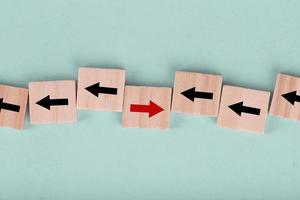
<point x="202" y="82"/>
<point x="16" y="96"/>
<point x="142" y="95"/>
<point x="251" y="98"/>
<point x="114" y="78"/>
<point x="280" y="106"/>
<point x="56" y="89"/>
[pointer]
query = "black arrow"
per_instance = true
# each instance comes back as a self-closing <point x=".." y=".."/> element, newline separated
<point x="95" y="89"/>
<point x="8" y="106"/>
<point x="292" y="97"/>
<point x="191" y="94"/>
<point x="239" y="108"/>
<point x="47" y="102"/>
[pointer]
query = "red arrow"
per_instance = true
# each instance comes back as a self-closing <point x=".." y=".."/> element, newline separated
<point x="152" y="109"/>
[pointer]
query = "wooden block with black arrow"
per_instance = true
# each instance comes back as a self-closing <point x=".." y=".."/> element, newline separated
<point x="286" y="97"/>
<point x="196" y="93"/>
<point x="52" y="102"/>
<point x="100" y="89"/>
<point x="13" y="104"/>
<point x="243" y="109"/>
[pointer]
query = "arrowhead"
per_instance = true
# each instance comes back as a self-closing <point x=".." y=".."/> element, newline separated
<point x="154" y="109"/>
<point x="190" y="93"/>
<point x="94" y="89"/>
<point x="237" y="108"/>
<point x="45" y="102"/>
<point x="1" y="101"/>
<point x="290" y="97"/>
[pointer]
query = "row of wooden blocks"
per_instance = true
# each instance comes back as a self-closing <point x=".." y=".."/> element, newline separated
<point x="149" y="107"/>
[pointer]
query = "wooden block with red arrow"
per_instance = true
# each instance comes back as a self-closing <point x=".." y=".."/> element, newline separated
<point x="243" y="109"/>
<point x="147" y="107"/>
<point x="286" y="97"/>
<point x="100" y="89"/>
<point x="13" y="102"/>
<point x="52" y="102"/>
<point x="196" y="93"/>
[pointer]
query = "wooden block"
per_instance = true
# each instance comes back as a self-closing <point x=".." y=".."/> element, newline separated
<point x="100" y="89"/>
<point x="13" y="102"/>
<point x="243" y="109"/>
<point x="286" y="97"/>
<point x="196" y="93"/>
<point x="52" y="102"/>
<point x="147" y="107"/>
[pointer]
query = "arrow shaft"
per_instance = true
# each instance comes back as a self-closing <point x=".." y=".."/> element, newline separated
<point x="297" y="98"/>
<point x="204" y="95"/>
<point x="108" y="90"/>
<point x="59" y="102"/>
<point x="11" y="107"/>
<point x="139" y="108"/>
<point x="250" y="110"/>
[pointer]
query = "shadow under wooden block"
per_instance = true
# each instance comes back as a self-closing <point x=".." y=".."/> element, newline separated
<point x="100" y="89"/>
<point x="13" y="103"/>
<point x="147" y="107"/>
<point x="196" y="93"/>
<point x="52" y="102"/>
<point x="286" y="97"/>
<point x="243" y="109"/>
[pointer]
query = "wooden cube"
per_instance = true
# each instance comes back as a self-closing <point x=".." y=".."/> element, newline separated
<point x="147" y="107"/>
<point x="286" y="97"/>
<point x="196" y="93"/>
<point x="243" y="109"/>
<point x="13" y="103"/>
<point x="100" y="89"/>
<point x="52" y="102"/>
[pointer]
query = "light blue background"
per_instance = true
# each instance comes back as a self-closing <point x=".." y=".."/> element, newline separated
<point x="248" y="42"/>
